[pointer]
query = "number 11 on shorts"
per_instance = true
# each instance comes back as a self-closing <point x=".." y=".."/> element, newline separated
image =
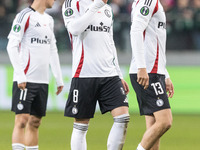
<point x="23" y="94"/>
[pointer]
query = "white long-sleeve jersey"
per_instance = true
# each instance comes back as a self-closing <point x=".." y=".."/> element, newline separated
<point x="148" y="37"/>
<point x="89" y="25"/>
<point x="32" y="48"/>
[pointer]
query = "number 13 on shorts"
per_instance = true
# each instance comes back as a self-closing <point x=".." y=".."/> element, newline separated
<point x="157" y="88"/>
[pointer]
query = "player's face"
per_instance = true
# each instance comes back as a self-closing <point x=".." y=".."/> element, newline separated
<point x="49" y="3"/>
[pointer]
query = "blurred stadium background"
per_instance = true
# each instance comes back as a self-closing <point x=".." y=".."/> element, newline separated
<point x="183" y="61"/>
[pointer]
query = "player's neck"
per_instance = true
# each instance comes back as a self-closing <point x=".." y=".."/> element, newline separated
<point x="39" y="6"/>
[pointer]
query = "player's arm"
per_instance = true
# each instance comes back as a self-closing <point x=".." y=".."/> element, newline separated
<point x="14" y="39"/>
<point x="116" y="62"/>
<point x="55" y="63"/>
<point x="140" y="19"/>
<point x="169" y="84"/>
<point x="75" y="23"/>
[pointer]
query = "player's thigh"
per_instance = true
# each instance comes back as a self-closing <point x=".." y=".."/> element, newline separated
<point x="164" y="116"/>
<point x="150" y="120"/>
<point x="22" y="99"/>
<point x="154" y="98"/>
<point x="82" y="98"/>
<point x="39" y="104"/>
<point x="112" y="95"/>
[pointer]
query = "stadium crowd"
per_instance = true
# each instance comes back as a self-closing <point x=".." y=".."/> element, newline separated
<point x="183" y="23"/>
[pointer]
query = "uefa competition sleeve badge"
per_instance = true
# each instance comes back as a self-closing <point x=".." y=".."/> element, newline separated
<point x="69" y="12"/>
<point x="17" y="28"/>
<point x="144" y="11"/>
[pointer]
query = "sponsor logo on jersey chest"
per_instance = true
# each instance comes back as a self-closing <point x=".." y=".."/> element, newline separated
<point x="162" y="25"/>
<point x="40" y="41"/>
<point x="100" y="28"/>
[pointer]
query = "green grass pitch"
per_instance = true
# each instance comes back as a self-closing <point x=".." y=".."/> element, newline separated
<point x="55" y="132"/>
<point x="56" y="129"/>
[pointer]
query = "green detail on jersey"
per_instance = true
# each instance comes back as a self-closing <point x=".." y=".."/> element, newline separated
<point x="144" y="11"/>
<point x="17" y="28"/>
<point x="69" y="12"/>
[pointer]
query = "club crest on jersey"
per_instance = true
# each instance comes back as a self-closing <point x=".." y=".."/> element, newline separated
<point x="107" y="13"/>
<point x="17" y="28"/>
<point x="159" y="102"/>
<point x="144" y="10"/>
<point x="20" y="106"/>
<point x="74" y="110"/>
<point x="69" y="12"/>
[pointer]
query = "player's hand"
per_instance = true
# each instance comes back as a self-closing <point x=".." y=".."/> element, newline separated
<point x="143" y="77"/>
<point x="22" y="85"/>
<point x="125" y="85"/>
<point x="169" y="87"/>
<point x="59" y="90"/>
<point x="105" y="1"/>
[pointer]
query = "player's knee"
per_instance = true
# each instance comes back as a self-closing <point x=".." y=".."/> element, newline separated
<point x="34" y="122"/>
<point x="166" y="125"/>
<point x="125" y="118"/>
<point x="21" y="121"/>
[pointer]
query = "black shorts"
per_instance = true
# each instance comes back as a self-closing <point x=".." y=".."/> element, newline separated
<point x="85" y="92"/>
<point x="32" y="100"/>
<point x="154" y="98"/>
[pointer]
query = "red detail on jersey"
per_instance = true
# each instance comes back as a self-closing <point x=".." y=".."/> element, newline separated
<point x="144" y="33"/>
<point x="71" y="40"/>
<point x="155" y="67"/>
<point x="155" y="9"/>
<point x="27" y="24"/>
<point x="80" y="65"/>
<point x="77" y="6"/>
<point x="27" y="66"/>
<point x="137" y="2"/>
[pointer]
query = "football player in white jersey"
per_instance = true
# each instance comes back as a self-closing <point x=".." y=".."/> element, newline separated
<point x="32" y="48"/>
<point x="95" y="70"/>
<point x="148" y="73"/>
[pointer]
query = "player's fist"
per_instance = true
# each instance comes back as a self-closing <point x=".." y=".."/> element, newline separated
<point x="105" y="1"/>
<point x="22" y="85"/>
<point x="125" y="85"/>
<point x="143" y="77"/>
<point x="97" y="1"/>
<point x="169" y="87"/>
<point x="59" y="90"/>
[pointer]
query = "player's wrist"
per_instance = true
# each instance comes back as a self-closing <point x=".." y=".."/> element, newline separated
<point x="60" y="83"/>
<point x="21" y="79"/>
